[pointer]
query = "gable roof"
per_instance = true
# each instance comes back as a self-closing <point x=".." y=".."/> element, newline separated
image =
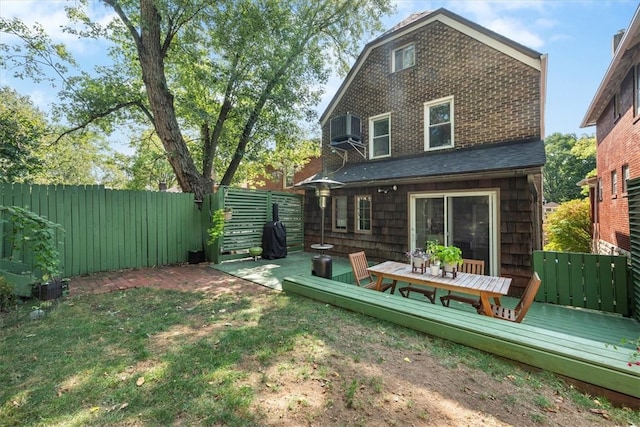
<point x="418" y="20"/>
<point x="617" y="70"/>
<point x="483" y="159"/>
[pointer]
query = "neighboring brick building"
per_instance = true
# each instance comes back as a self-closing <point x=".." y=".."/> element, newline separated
<point x="436" y="133"/>
<point x="284" y="180"/>
<point x="615" y="111"/>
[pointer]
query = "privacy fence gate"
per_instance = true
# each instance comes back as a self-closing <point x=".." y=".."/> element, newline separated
<point x="249" y="211"/>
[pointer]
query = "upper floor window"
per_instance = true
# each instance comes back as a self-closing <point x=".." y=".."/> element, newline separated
<point x="625" y="177"/>
<point x="339" y="222"/>
<point x="614" y="183"/>
<point x="600" y="189"/>
<point x="637" y="90"/>
<point x="616" y="106"/>
<point x="438" y="123"/>
<point x="380" y="136"/>
<point x="404" y="57"/>
<point x="363" y="214"/>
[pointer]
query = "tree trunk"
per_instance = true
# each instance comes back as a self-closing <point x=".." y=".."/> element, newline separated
<point x="151" y="55"/>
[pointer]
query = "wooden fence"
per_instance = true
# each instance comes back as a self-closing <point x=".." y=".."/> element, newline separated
<point x="110" y="229"/>
<point x="598" y="282"/>
<point x="252" y="209"/>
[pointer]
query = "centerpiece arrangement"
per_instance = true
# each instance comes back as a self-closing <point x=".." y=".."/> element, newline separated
<point x="451" y="257"/>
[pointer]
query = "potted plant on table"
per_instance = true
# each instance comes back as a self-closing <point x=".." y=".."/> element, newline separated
<point x="450" y="256"/>
<point x="432" y="248"/>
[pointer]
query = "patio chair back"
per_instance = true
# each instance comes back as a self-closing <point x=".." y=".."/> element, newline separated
<point x="363" y="277"/>
<point x="474" y="266"/>
<point x="518" y="313"/>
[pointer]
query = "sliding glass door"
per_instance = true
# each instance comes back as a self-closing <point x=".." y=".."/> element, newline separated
<point x="464" y="219"/>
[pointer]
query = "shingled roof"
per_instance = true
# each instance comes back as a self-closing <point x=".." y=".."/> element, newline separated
<point x="485" y="158"/>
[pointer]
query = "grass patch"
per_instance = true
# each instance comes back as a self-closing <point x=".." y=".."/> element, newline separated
<point x="156" y="357"/>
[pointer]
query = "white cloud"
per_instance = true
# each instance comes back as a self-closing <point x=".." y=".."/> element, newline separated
<point x="51" y="15"/>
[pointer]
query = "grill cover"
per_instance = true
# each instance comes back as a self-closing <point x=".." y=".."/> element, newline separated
<point x="274" y="237"/>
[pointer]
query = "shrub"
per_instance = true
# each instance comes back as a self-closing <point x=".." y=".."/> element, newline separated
<point x="568" y="229"/>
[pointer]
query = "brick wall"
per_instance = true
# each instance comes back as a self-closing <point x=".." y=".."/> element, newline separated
<point x="274" y="180"/>
<point x="496" y="97"/>
<point x="618" y="144"/>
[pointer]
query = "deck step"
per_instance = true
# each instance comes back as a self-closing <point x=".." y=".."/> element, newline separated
<point x="583" y="359"/>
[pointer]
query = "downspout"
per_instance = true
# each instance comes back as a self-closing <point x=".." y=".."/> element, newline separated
<point x="537" y="213"/>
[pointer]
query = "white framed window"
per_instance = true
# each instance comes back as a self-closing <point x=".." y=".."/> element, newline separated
<point x="339" y="223"/>
<point x="403" y="58"/>
<point x="363" y="214"/>
<point x="438" y="124"/>
<point x="636" y="82"/>
<point x="600" y="189"/>
<point x="614" y="184"/>
<point x="625" y="177"/>
<point x="380" y="136"/>
<point x="289" y="172"/>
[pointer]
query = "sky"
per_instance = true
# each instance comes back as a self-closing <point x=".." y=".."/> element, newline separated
<point x="575" y="35"/>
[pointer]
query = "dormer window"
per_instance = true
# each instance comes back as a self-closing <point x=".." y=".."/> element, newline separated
<point x="404" y="57"/>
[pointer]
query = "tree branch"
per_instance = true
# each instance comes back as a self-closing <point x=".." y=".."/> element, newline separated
<point x="104" y="114"/>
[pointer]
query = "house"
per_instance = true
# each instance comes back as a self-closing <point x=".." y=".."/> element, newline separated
<point x="615" y="111"/>
<point x="436" y="133"/>
<point x="284" y="178"/>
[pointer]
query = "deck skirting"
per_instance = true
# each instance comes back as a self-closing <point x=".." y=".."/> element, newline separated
<point x="574" y="357"/>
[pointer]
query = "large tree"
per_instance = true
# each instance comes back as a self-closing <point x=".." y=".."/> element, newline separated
<point x="22" y="127"/>
<point x="215" y="80"/>
<point x="569" y="160"/>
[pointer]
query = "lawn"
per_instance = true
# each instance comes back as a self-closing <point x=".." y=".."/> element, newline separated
<point x="160" y="357"/>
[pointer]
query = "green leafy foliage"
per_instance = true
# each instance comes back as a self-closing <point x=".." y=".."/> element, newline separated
<point x="230" y="76"/>
<point x="34" y="232"/>
<point x="568" y="228"/>
<point x="22" y="127"/>
<point x="569" y="160"/>
<point x="7" y="294"/>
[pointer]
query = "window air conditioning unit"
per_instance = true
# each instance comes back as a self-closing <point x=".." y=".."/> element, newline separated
<point x="345" y="131"/>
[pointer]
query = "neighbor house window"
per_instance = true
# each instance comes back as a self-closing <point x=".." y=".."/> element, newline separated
<point x="637" y="90"/>
<point x="614" y="183"/>
<point x="625" y="177"/>
<point x="438" y="123"/>
<point x="600" y="189"/>
<point x="340" y="214"/>
<point x="380" y="136"/>
<point x="288" y="176"/>
<point x="363" y="214"/>
<point x="616" y="106"/>
<point x="404" y="57"/>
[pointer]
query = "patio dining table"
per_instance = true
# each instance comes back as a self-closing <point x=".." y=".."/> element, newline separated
<point x="485" y="287"/>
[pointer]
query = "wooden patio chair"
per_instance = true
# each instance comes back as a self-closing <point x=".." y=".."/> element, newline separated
<point x="363" y="277"/>
<point x="518" y="313"/>
<point x="474" y="266"/>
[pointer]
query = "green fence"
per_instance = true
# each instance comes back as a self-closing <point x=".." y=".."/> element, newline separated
<point x="598" y="282"/>
<point x="110" y="229"/>
<point x="252" y="209"/>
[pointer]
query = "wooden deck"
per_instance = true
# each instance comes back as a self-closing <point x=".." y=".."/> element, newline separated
<point x="579" y="344"/>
